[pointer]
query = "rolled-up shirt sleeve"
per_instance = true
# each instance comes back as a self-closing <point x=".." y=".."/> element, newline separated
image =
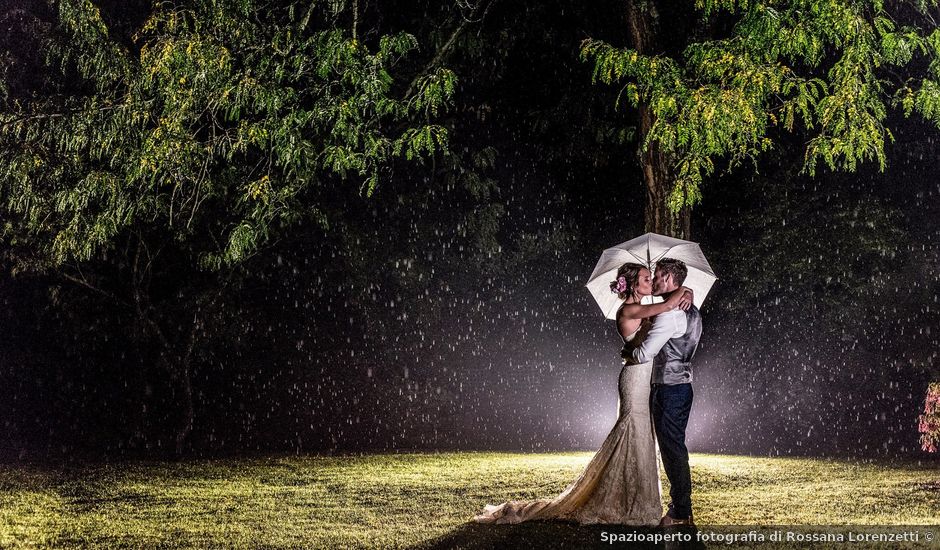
<point x="665" y="326"/>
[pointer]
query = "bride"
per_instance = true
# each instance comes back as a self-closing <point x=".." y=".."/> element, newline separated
<point x="620" y="485"/>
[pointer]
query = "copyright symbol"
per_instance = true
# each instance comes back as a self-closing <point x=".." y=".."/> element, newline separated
<point x="929" y="536"/>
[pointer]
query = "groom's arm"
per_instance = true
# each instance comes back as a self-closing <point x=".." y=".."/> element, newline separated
<point x="665" y="326"/>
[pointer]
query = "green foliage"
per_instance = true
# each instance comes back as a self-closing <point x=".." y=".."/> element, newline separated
<point x="819" y="64"/>
<point x="231" y="122"/>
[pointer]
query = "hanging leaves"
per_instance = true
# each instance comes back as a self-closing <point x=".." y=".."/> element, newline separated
<point x="230" y="121"/>
<point x="809" y="63"/>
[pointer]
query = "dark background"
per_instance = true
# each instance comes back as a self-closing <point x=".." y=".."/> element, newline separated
<point x="448" y="310"/>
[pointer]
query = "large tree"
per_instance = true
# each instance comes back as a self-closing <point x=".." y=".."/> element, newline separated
<point x="722" y="90"/>
<point x="147" y="167"/>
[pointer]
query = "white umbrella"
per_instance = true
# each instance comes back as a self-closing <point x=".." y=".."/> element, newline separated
<point x="647" y="250"/>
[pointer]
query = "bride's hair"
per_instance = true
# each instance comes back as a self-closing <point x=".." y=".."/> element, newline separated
<point x="627" y="278"/>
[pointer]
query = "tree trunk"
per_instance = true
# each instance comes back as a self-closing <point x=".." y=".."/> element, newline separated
<point x="184" y="426"/>
<point x="643" y="26"/>
<point x="178" y="367"/>
<point x="659" y="181"/>
<point x="175" y="354"/>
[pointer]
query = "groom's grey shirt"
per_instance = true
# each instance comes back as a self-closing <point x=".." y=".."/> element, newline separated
<point x="670" y="344"/>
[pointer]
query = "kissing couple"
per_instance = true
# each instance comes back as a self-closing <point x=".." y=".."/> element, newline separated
<point x="621" y="483"/>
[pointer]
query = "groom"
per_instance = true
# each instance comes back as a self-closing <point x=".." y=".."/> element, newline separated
<point x="670" y="344"/>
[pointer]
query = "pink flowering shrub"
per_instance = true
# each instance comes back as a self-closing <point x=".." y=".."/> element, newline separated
<point x="929" y="425"/>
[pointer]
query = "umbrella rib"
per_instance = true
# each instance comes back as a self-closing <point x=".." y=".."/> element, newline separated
<point x="642" y="261"/>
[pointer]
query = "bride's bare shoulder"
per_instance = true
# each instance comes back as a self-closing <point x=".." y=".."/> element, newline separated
<point x="626" y="326"/>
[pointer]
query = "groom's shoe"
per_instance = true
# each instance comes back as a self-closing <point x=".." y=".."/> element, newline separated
<point x="669" y="521"/>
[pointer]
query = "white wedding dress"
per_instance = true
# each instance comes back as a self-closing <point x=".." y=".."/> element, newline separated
<point x="621" y="483"/>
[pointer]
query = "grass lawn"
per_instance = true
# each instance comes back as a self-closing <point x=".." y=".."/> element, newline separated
<point x="419" y="500"/>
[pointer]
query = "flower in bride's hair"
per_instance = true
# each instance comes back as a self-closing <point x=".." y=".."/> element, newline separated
<point x="618" y="286"/>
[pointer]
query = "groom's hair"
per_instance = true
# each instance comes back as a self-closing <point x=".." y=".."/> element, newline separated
<point x="673" y="267"/>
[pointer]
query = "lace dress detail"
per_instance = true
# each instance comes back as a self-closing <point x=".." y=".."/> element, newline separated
<point x="620" y="485"/>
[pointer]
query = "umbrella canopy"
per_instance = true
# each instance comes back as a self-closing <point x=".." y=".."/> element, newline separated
<point x="647" y="250"/>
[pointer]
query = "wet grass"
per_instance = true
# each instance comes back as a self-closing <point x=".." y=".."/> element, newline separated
<point x="417" y="500"/>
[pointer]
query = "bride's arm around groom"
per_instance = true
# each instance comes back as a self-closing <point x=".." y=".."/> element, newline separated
<point x="666" y="326"/>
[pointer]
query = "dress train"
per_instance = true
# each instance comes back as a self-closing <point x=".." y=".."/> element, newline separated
<point x="620" y="485"/>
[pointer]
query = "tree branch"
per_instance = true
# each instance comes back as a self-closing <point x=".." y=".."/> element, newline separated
<point x="93" y="288"/>
<point x="355" y="26"/>
<point x="68" y="112"/>
<point x="445" y="49"/>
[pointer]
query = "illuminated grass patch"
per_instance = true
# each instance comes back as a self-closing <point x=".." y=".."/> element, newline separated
<point x="416" y="499"/>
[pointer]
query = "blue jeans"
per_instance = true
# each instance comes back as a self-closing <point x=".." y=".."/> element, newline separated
<point x="670" y="406"/>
